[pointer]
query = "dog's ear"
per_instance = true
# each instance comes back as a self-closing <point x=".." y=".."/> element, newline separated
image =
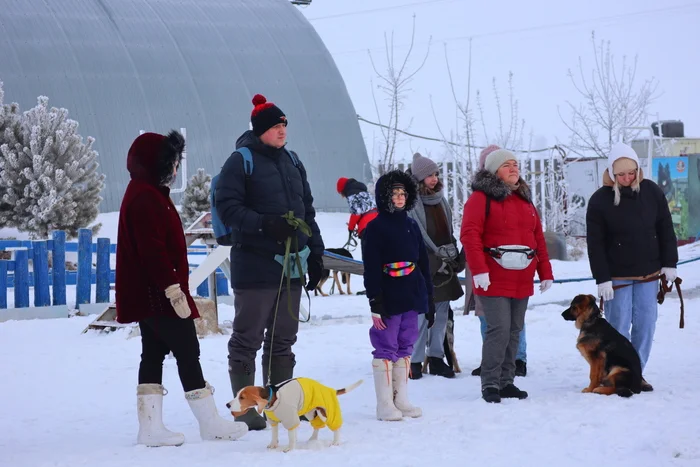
<point x="260" y="400"/>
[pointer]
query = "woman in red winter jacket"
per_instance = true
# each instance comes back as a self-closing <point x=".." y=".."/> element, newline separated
<point x="504" y="245"/>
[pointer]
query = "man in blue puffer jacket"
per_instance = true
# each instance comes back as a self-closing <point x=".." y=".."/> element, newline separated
<point x="252" y="206"/>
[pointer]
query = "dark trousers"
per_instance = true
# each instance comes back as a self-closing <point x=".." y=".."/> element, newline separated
<point x="252" y="328"/>
<point x="161" y="335"/>
<point x="505" y="318"/>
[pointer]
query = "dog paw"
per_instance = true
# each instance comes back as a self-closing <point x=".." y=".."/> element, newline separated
<point x="587" y="389"/>
<point x="273" y="446"/>
<point x="287" y="449"/>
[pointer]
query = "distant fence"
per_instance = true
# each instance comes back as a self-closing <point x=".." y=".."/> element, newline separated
<point x="537" y="169"/>
<point x="48" y="279"/>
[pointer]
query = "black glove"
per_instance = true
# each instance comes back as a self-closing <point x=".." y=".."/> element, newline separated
<point x="315" y="271"/>
<point x="430" y="315"/>
<point x="277" y="227"/>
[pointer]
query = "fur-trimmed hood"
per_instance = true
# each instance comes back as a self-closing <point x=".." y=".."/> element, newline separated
<point x="497" y="189"/>
<point x="383" y="191"/>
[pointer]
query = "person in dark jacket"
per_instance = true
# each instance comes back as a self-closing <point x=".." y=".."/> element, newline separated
<point x="630" y="238"/>
<point x="399" y="288"/>
<point x="152" y="288"/>
<point x="433" y="215"/>
<point x="252" y="206"/>
<point x="504" y="250"/>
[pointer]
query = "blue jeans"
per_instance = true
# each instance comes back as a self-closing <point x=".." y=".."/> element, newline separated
<point x="636" y="307"/>
<point x="522" y="345"/>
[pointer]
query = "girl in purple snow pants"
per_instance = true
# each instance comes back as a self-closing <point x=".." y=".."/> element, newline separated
<point x="399" y="288"/>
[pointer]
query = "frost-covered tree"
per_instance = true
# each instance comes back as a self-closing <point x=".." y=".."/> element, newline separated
<point x="10" y="118"/>
<point x="611" y="101"/>
<point x="48" y="175"/>
<point x="195" y="199"/>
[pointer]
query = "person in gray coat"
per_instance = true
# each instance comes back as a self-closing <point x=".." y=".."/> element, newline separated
<point x="433" y="214"/>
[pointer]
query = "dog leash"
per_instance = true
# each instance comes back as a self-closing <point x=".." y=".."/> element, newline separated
<point x="306" y="230"/>
<point x="351" y="244"/>
<point x="663" y="290"/>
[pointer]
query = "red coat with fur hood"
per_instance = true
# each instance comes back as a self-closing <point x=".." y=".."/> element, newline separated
<point x="151" y="248"/>
<point x="512" y="220"/>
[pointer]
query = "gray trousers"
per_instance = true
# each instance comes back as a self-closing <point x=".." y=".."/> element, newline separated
<point x="252" y="325"/>
<point x="434" y="337"/>
<point x="505" y="318"/>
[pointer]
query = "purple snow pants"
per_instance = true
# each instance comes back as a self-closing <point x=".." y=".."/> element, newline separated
<point x="396" y="341"/>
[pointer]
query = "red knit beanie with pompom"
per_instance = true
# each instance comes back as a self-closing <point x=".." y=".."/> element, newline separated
<point x="265" y="115"/>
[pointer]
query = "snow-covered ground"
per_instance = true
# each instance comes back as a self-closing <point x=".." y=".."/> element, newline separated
<point x="69" y="398"/>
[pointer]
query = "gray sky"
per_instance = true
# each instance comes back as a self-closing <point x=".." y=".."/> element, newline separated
<point x="536" y="40"/>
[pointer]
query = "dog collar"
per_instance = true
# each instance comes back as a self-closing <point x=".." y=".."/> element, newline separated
<point x="269" y="398"/>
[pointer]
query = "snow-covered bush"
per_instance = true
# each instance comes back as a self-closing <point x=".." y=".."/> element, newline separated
<point x="195" y="199"/>
<point x="48" y="175"/>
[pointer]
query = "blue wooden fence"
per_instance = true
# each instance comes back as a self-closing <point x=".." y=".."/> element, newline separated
<point x="49" y="283"/>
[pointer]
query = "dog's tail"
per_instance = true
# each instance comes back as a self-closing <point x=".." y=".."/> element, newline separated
<point x="624" y="392"/>
<point x="347" y="389"/>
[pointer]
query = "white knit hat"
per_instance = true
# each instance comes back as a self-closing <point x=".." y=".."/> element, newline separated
<point x="497" y="158"/>
<point x="617" y="152"/>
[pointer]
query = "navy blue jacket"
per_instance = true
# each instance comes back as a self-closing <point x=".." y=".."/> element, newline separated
<point x="393" y="237"/>
<point x="275" y="186"/>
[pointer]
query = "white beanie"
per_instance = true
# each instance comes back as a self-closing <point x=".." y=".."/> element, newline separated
<point x="497" y="158"/>
<point x="618" y="151"/>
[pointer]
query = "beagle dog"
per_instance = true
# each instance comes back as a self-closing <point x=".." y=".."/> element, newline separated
<point x="287" y="401"/>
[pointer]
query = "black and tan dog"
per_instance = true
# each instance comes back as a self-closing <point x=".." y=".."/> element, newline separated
<point x="615" y="364"/>
<point x="327" y="273"/>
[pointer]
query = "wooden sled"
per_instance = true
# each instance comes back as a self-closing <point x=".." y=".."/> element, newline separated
<point x="107" y="321"/>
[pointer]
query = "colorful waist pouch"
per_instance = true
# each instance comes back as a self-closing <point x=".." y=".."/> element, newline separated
<point x="402" y="268"/>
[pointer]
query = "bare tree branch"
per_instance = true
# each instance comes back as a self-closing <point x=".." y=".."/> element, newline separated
<point x="611" y="102"/>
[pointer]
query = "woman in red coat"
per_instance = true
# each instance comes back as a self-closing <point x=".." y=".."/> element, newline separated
<point x="152" y="288"/>
<point x="504" y="245"/>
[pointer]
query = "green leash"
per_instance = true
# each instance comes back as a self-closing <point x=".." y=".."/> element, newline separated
<point x="299" y="224"/>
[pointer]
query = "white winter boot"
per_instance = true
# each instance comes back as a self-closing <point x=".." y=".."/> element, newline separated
<point x="384" y="390"/>
<point x="149" y="405"/>
<point x="211" y="424"/>
<point x="399" y="376"/>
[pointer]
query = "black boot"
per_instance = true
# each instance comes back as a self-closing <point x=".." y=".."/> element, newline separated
<point x="282" y="369"/>
<point x="416" y="371"/>
<point x="512" y="392"/>
<point x="476" y="371"/>
<point x="520" y="368"/>
<point x="491" y="395"/>
<point x="243" y="375"/>
<point x="436" y="366"/>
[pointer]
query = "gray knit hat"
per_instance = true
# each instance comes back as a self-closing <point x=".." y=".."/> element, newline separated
<point x="422" y="167"/>
<point x="497" y="158"/>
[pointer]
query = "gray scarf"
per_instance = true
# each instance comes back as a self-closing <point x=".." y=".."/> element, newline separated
<point x="418" y="214"/>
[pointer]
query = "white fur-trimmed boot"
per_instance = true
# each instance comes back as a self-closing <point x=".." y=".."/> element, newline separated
<point x="383" y="386"/>
<point x="211" y="424"/>
<point x="399" y="376"/>
<point x="149" y="405"/>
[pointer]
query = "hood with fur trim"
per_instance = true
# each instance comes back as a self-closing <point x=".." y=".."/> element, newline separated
<point x="495" y="188"/>
<point x="383" y="191"/>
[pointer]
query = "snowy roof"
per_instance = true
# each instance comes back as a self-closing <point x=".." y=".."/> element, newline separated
<point x="120" y="66"/>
